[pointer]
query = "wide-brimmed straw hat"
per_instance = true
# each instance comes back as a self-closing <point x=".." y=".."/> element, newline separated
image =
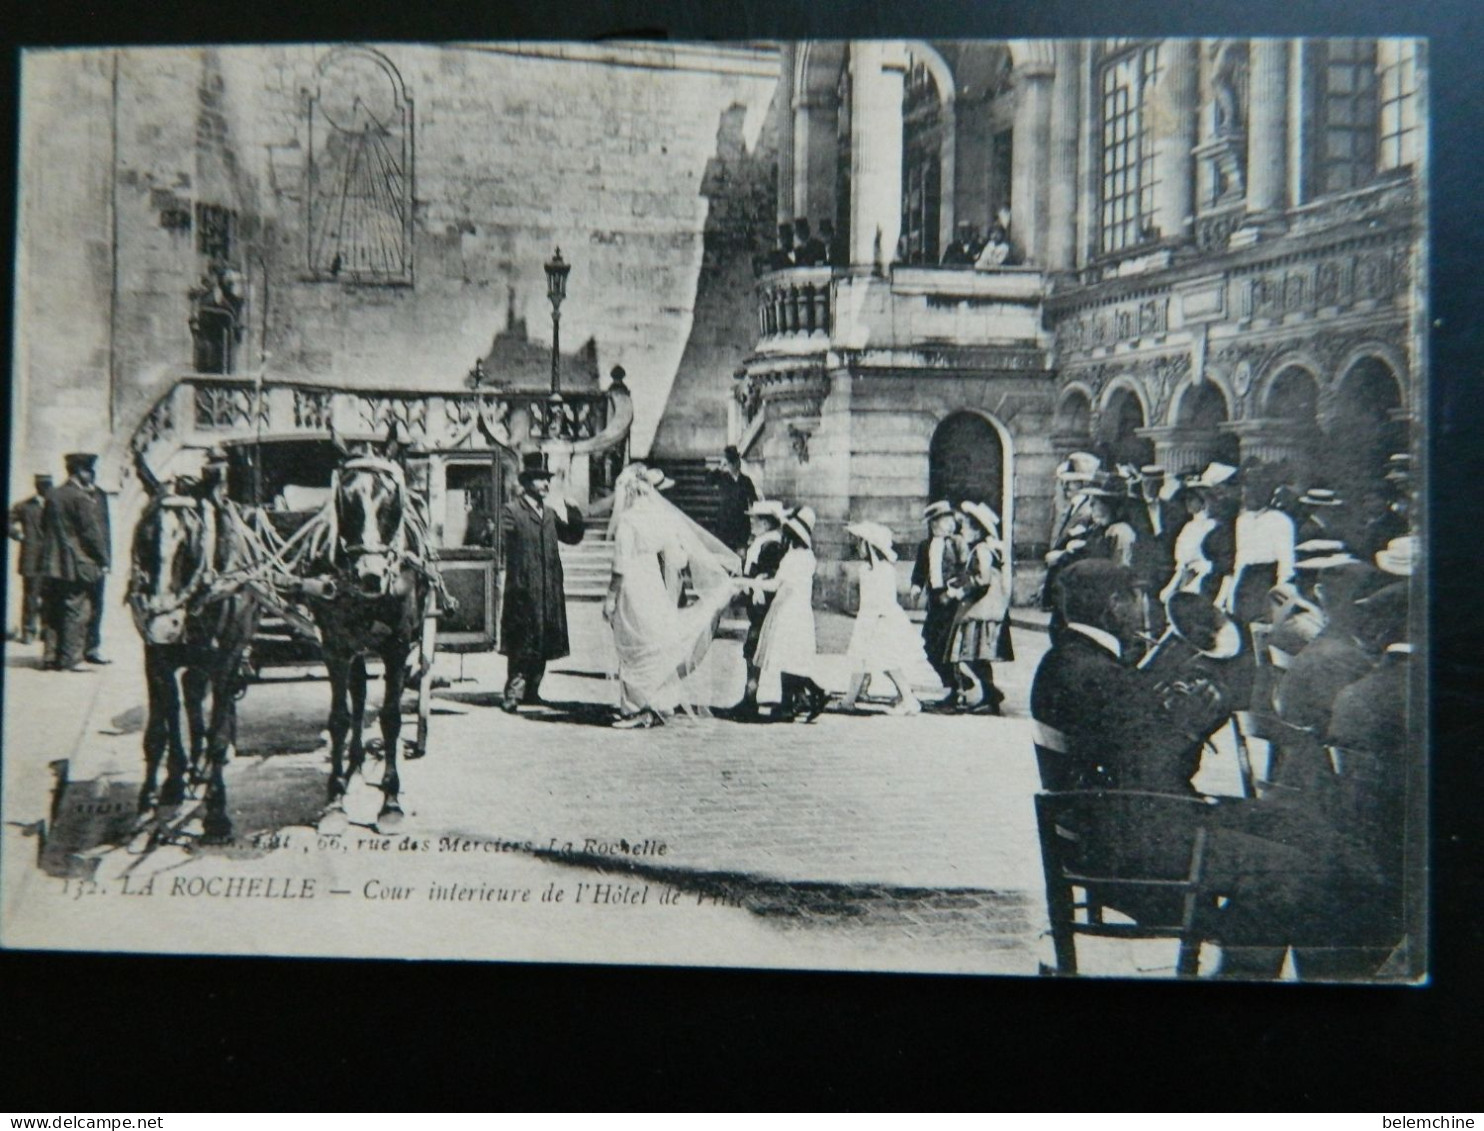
<point x="1214" y="475"/>
<point x="801" y="522"/>
<point x="1079" y="466"/>
<point x="875" y="535"/>
<point x="937" y="509"/>
<point x="1399" y="556"/>
<point x="658" y="479"/>
<point x="981" y="513"/>
<point x="1205" y="627"/>
<point x="768" y="508"/>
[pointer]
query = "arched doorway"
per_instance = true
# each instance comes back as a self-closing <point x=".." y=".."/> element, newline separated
<point x="969" y="460"/>
<point x="1203" y="410"/>
<point x="1364" y="429"/>
<point x="1293" y="397"/>
<point x="1122" y="418"/>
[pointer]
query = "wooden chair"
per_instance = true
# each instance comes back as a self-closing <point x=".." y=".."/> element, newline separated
<point x="1052" y="760"/>
<point x="1141" y="854"/>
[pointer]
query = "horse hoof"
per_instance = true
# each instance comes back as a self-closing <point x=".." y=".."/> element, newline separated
<point x="389" y="821"/>
<point x="414" y="752"/>
<point x="333" y="823"/>
<point x="143" y="840"/>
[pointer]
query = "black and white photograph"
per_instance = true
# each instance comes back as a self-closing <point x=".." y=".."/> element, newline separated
<point x="929" y="506"/>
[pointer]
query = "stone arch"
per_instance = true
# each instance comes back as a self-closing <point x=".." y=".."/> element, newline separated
<point x="1122" y="414"/>
<point x="971" y="456"/>
<point x="1033" y="54"/>
<point x="1365" y="419"/>
<point x="1193" y="402"/>
<point x="1073" y="413"/>
<point x="1389" y="356"/>
<point x="1291" y="392"/>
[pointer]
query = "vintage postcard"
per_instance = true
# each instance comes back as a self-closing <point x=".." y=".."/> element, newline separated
<point x="866" y="505"/>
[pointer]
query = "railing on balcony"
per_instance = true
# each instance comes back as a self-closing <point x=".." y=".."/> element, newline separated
<point x="795" y="301"/>
<point x="200" y="411"/>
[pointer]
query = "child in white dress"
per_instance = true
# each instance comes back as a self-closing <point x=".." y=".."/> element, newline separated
<point x="883" y="639"/>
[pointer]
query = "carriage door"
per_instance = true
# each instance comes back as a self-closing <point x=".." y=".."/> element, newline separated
<point x="466" y="494"/>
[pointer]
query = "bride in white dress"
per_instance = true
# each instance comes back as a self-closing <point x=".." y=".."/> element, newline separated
<point x="659" y="642"/>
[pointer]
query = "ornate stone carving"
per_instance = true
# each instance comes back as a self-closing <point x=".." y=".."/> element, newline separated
<point x="1141" y="318"/>
<point x="378" y="413"/>
<point x="312" y="408"/>
<point x="223" y="407"/>
<point x="798" y="439"/>
<point x="158" y="425"/>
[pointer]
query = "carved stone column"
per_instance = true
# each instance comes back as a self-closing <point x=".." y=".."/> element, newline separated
<point x="1030" y="158"/>
<point x="1061" y="246"/>
<point x="1267" y="136"/>
<point x="1178" y="448"/>
<point x="877" y="72"/>
<point x="1275" y="439"/>
<point x="1175" y="131"/>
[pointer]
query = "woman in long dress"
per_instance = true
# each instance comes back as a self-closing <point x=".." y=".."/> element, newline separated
<point x="787" y="648"/>
<point x="658" y="643"/>
<point x="883" y="639"/>
<point x="981" y="629"/>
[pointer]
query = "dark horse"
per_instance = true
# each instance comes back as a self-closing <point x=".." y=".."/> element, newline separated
<point x="194" y="628"/>
<point x="369" y="588"/>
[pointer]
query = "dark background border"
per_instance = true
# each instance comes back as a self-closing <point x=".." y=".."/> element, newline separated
<point x="115" y="1033"/>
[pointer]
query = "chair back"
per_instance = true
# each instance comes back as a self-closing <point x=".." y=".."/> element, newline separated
<point x="1140" y="854"/>
<point x="1052" y="758"/>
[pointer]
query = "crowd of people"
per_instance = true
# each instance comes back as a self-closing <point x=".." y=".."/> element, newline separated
<point x="65" y="556"/>
<point x="799" y="244"/>
<point x="1272" y="606"/>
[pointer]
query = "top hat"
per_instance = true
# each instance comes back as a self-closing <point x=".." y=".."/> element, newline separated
<point x="938" y="510"/>
<point x="875" y="535"/>
<point x="79" y="461"/>
<point x="731" y="454"/>
<point x="533" y="466"/>
<point x="984" y="516"/>
<point x="42" y="477"/>
<point x="1321" y="497"/>
<point x="1152" y="471"/>
<point x="1399" y="555"/>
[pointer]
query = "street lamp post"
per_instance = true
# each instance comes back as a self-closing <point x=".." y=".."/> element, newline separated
<point x="556" y="290"/>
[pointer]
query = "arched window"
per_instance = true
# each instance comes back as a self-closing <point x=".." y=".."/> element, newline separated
<point x="1127" y="75"/>
<point x="922" y="164"/>
<point x="360" y="171"/>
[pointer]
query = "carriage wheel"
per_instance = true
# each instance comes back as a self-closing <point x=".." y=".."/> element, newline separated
<point x="425" y="683"/>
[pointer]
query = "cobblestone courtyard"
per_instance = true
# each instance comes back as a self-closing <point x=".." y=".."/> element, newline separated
<point x="854" y="842"/>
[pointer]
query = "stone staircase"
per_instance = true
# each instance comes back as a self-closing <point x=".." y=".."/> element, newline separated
<point x="694" y="491"/>
<point x="588" y="566"/>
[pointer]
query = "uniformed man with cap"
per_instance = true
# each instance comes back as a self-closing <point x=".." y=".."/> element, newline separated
<point x="75" y="560"/>
<point x="26" y="528"/>
<point x="941" y="558"/>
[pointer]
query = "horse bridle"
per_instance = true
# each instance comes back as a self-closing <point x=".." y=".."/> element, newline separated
<point x="395" y="551"/>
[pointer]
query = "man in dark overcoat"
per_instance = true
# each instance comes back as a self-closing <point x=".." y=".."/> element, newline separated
<point x="760" y="561"/>
<point x="533" y="621"/>
<point x="735" y="494"/>
<point x="26" y="528"/>
<point x="75" y="559"/>
<point x="941" y="558"/>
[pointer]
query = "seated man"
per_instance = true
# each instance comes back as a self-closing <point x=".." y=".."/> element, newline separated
<point x="1122" y="730"/>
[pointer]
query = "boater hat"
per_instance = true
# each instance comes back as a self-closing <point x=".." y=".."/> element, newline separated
<point x="1321" y="497"/>
<point x="1214" y="475"/>
<point x="658" y="479"/>
<point x="1078" y="466"/>
<point x="875" y="535"/>
<point x="938" y="510"/>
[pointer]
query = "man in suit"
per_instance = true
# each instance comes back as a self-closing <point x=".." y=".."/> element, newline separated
<point x="760" y="561"/>
<point x="75" y="560"/>
<point x="1121" y="731"/>
<point x="533" y="620"/>
<point x="941" y="558"/>
<point x="735" y="494"/>
<point x="26" y="528"/>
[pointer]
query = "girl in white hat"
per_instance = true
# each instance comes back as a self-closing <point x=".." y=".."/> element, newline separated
<point x="883" y="639"/>
<point x="787" y="648"/>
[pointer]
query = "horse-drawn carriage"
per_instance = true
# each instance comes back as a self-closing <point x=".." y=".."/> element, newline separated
<point x="327" y="544"/>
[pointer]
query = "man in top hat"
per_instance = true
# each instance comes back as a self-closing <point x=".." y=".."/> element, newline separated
<point x="760" y="561"/>
<point x="941" y="558"/>
<point x="26" y="528"/>
<point x="1156" y="517"/>
<point x="75" y="558"/>
<point x="735" y="493"/>
<point x="963" y="250"/>
<point x="533" y="620"/>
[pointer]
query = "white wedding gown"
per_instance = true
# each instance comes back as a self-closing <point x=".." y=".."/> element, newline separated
<point x="660" y="645"/>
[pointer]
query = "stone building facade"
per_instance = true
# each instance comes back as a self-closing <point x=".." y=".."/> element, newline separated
<point x="1218" y="252"/>
<point x="362" y="216"/>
